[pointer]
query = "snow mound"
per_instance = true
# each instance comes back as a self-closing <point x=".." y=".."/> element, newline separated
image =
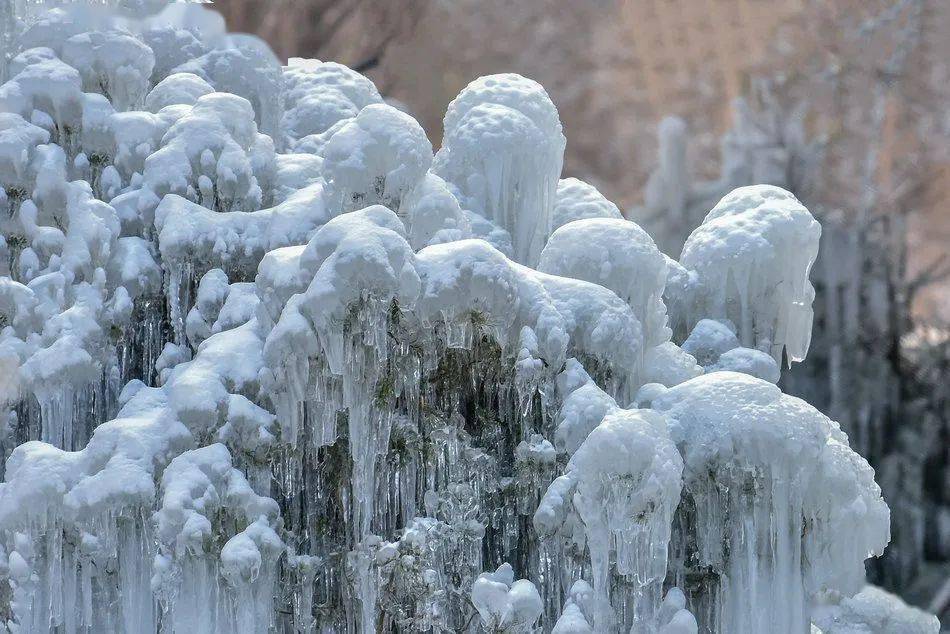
<point x="506" y="605"/>
<point x="871" y="611"/>
<point x="749" y="449"/>
<point x="319" y="95"/>
<point x="618" y="255"/>
<point x="623" y="483"/>
<point x="177" y="88"/>
<point x="247" y="69"/>
<point x="709" y="340"/>
<point x="116" y="63"/>
<point x="432" y="214"/>
<point x="503" y="149"/>
<point x="752" y="256"/>
<point x="577" y="200"/>
<point x="375" y="158"/>
<point x="507" y="89"/>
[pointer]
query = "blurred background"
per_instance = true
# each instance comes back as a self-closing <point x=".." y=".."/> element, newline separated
<point x="669" y="104"/>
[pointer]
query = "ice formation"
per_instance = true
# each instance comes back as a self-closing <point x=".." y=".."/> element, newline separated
<point x="715" y="347"/>
<point x="503" y="150"/>
<point x="266" y="364"/>
<point x="377" y="157"/>
<point x="871" y="611"/>
<point x="577" y="200"/>
<point x="751" y="258"/>
<point x="776" y="502"/>
<point x="506" y="605"/>
<point x="622" y="486"/>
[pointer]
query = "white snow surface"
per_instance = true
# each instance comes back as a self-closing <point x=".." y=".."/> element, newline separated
<point x="503" y="149"/>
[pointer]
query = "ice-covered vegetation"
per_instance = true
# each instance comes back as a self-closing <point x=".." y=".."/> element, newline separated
<point x="268" y="363"/>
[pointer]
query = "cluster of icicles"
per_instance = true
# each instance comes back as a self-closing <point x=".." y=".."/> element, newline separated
<point x="271" y="365"/>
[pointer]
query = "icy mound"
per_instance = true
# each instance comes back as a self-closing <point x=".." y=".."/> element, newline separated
<point x="178" y="88"/>
<point x="617" y="495"/>
<point x="116" y="63"/>
<point x="214" y="155"/>
<point x="248" y="69"/>
<point x="709" y="340"/>
<point x="375" y="158"/>
<point x="619" y="255"/>
<point x="673" y="617"/>
<point x="506" y="605"/>
<point x="354" y="255"/>
<point x="172" y="46"/>
<point x="751" y="257"/>
<point x="200" y="488"/>
<point x="751" y="451"/>
<point x="577" y="614"/>
<point x="583" y="406"/>
<point x="307" y="77"/>
<point x="52" y="88"/>
<point x="753" y="362"/>
<point x="623" y="483"/>
<point x="871" y="611"/>
<point x="319" y="95"/>
<point x="503" y="149"/>
<point x="18" y="141"/>
<point x="508" y="89"/>
<point x="715" y="346"/>
<point x="577" y="200"/>
<point x="432" y="214"/>
<point x="315" y="114"/>
<point x="627" y="461"/>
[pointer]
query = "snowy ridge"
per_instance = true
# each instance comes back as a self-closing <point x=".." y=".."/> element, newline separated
<point x="237" y="240"/>
<point x="267" y="364"/>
